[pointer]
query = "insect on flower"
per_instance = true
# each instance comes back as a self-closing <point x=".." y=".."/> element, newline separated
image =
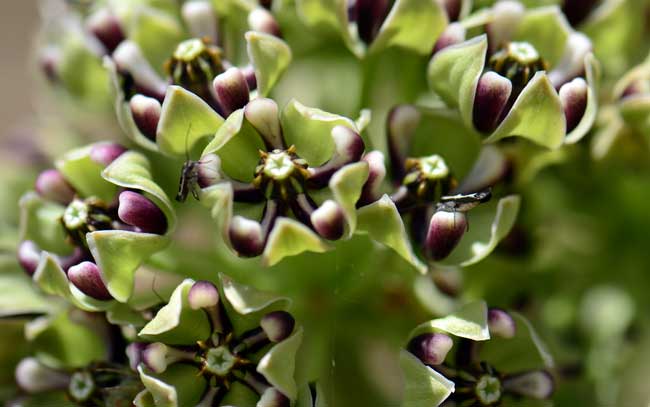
<point x="464" y="202"/>
<point x="196" y="174"/>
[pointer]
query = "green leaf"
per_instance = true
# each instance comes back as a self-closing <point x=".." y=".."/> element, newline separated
<point x="238" y="144"/>
<point x="177" y="323"/>
<point x="178" y="386"/>
<point x="132" y="170"/>
<point x="289" y="238"/>
<point x="62" y="342"/>
<point x="40" y="221"/>
<point x="537" y="115"/>
<point x="346" y="185"/>
<point x="310" y="130"/>
<point x="157" y="33"/>
<point x="411" y="24"/>
<point x="184" y="120"/>
<point x="123" y="111"/>
<point x="470" y="321"/>
<point x="20" y="298"/>
<point x="328" y="16"/>
<point x="454" y="72"/>
<point x="119" y="253"/>
<point x="546" y="29"/>
<point x="383" y="223"/>
<point x="423" y="386"/>
<point x="246" y="299"/>
<point x="488" y="225"/>
<point x="278" y="365"/>
<point x="84" y="174"/>
<point x="270" y="56"/>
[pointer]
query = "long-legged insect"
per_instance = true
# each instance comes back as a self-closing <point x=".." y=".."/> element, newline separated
<point x="189" y="180"/>
<point x="464" y="202"/>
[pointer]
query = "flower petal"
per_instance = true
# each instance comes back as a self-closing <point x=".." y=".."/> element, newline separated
<point x="346" y="185"/>
<point x="278" y="365"/>
<point x="178" y="386"/>
<point x="469" y="321"/>
<point x="546" y="29"/>
<point x="424" y="387"/>
<point x="40" y="223"/>
<point x="289" y="238"/>
<point x="270" y="56"/>
<point x="84" y="174"/>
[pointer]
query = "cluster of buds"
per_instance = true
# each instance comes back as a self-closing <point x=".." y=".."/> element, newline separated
<point x="224" y="358"/>
<point x="78" y="215"/>
<point x="476" y="382"/>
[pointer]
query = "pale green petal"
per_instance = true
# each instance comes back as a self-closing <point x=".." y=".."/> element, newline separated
<point x="592" y="68"/>
<point x="547" y="30"/>
<point x="270" y="56"/>
<point x="84" y="174"/>
<point x="470" y="321"/>
<point x="40" y="221"/>
<point x="423" y="386"/>
<point x="246" y="299"/>
<point x="278" y="365"/>
<point x="346" y="185"/>
<point x="178" y="386"/>
<point x="289" y="238"/>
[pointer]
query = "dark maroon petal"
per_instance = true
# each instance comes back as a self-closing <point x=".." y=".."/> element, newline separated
<point x="203" y="294"/>
<point x="431" y="348"/>
<point x="249" y="74"/>
<point x="453" y="8"/>
<point x="272" y="397"/>
<point x="137" y="210"/>
<point x="50" y="61"/>
<point x="146" y="113"/>
<point x="51" y="185"/>
<point x="106" y="153"/>
<point x="29" y="255"/>
<point x="572" y="63"/>
<point x="376" y="174"/>
<point x="348" y="148"/>
<point x="577" y="10"/>
<point x="492" y="94"/>
<point x="453" y="34"/>
<point x="536" y="384"/>
<point x="231" y="90"/>
<point x="262" y="20"/>
<point x="77" y="256"/>
<point x="262" y="114"/>
<point x="328" y="220"/>
<point x="87" y="278"/>
<point x="209" y="170"/>
<point x="246" y="236"/>
<point x="501" y="324"/>
<point x="573" y="96"/>
<point x="370" y="14"/>
<point x="129" y="58"/>
<point x="445" y="232"/>
<point x="278" y="325"/>
<point x="134" y="354"/>
<point x="106" y="28"/>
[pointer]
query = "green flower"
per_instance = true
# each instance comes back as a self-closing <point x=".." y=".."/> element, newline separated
<point x="97" y="217"/>
<point x="230" y="345"/>
<point x="282" y="182"/>
<point x="531" y="76"/>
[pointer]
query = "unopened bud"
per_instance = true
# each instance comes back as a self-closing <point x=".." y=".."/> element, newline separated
<point x="246" y="236"/>
<point x="376" y="174"/>
<point x="29" y="255"/>
<point x="262" y="114"/>
<point x="51" y="185"/>
<point x="431" y="348"/>
<point x="492" y="94"/>
<point x="106" y="153"/>
<point x="277" y="325"/>
<point x="446" y="229"/>
<point x="572" y="63"/>
<point x="203" y="294"/>
<point x="272" y="397"/>
<point x="501" y="324"/>
<point x="454" y="34"/>
<point x="328" y="220"/>
<point x="231" y="90"/>
<point x="136" y="210"/>
<point x="87" y="278"/>
<point x="146" y="113"/>
<point x="262" y="20"/>
<point x="370" y="14"/>
<point x="536" y="384"/>
<point x="34" y="377"/>
<point x="573" y="96"/>
<point x="200" y="18"/>
<point x="106" y="28"/>
<point x="134" y="354"/>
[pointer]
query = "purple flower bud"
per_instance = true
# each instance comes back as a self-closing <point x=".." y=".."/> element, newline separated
<point x="246" y="236"/>
<point x="490" y="101"/>
<point x="431" y="348"/>
<point x="445" y="231"/>
<point x="209" y="170"/>
<point x="87" y="278"/>
<point x="277" y="325"/>
<point x="262" y="114"/>
<point x="106" y="153"/>
<point x="249" y="74"/>
<point x="129" y="58"/>
<point x="376" y="174"/>
<point x="349" y="148"/>
<point x="200" y="18"/>
<point x="370" y="14"/>
<point x="77" y="256"/>
<point x="49" y="62"/>
<point x="572" y="63"/>
<point x="134" y="353"/>
<point x="136" y="210"/>
<point x="34" y="377"/>
<point x="146" y="113"/>
<point x="328" y="220"/>
<point x="402" y="122"/>
<point x="272" y="397"/>
<point x="501" y="324"/>
<point x="203" y="294"/>
<point x="573" y="96"/>
<point x="231" y="90"/>
<point x="537" y="384"/>
<point x="262" y="20"/>
<point x="51" y="185"/>
<point x="29" y="255"/>
<point x="453" y="34"/>
<point x="155" y="357"/>
<point x="106" y="28"/>
<point x="577" y="10"/>
<point x="453" y="8"/>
